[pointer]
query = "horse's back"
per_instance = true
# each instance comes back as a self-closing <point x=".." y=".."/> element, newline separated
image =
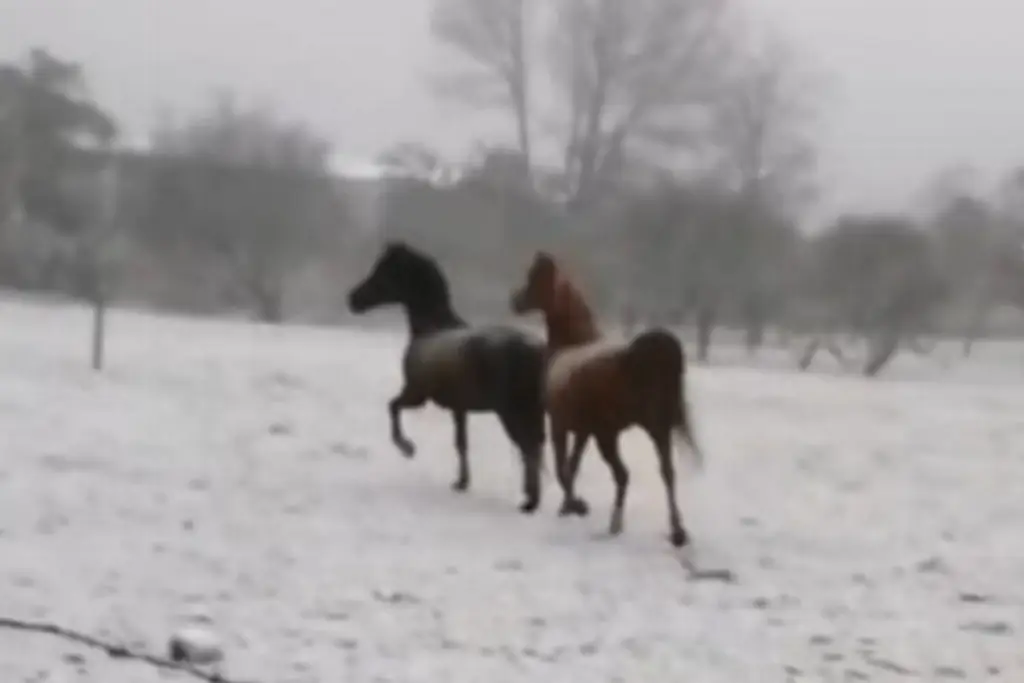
<point x="435" y="352"/>
<point x="656" y="364"/>
<point x="509" y="365"/>
<point x="655" y="353"/>
<point x="614" y="384"/>
<point x="567" y="363"/>
<point x="476" y="368"/>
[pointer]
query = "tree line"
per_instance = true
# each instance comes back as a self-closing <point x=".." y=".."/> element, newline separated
<point x="667" y="151"/>
<point x="720" y="121"/>
<point x="218" y="211"/>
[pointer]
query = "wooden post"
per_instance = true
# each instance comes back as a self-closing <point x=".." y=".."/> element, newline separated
<point x="94" y="259"/>
<point x="99" y="311"/>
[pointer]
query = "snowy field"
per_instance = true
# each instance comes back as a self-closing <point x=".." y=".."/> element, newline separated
<point x="245" y="473"/>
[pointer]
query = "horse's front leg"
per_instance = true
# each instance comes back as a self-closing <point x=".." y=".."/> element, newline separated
<point x="462" y="448"/>
<point x="579" y="506"/>
<point x="571" y="505"/>
<point x="408" y="397"/>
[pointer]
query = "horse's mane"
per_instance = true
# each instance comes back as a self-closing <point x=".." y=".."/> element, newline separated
<point x="425" y="267"/>
<point x="432" y="305"/>
<point x="569" y="306"/>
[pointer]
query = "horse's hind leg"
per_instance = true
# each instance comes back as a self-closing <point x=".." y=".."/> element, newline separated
<point x="462" y="448"/>
<point x="608" y="444"/>
<point x="407" y="398"/>
<point x="663" y="444"/>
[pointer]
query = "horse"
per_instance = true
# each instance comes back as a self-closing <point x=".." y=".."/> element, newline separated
<point x="494" y="369"/>
<point x="597" y="388"/>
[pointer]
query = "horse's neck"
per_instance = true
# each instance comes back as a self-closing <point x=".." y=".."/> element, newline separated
<point x="427" y="321"/>
<point x="571" y="326"/>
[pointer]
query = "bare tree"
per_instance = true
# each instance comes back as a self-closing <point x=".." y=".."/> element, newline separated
<point x="632" y="78"/>
<point x="881" y="278"/>
<point x="623" y="78"/>
<point x="763" y="128"/>
<point x="247" y="187"/>
<point x="763" y="149"/>
<point x="493" y="38"/>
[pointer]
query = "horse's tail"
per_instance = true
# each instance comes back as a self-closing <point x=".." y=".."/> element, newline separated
<point x="524" y="369"/>
<point x="657" y="363"/>
<point x="683" y="429"/>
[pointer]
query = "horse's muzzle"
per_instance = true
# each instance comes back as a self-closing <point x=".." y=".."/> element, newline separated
<point x="357" y="301"/>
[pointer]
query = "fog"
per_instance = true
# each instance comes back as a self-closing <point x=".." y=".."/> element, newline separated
<point x="919" y="84"/>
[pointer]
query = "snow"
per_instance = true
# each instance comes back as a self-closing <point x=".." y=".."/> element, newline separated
<point x="245" y="473"/>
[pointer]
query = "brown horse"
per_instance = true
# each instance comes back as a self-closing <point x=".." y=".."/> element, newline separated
<point x="596" y="388"/>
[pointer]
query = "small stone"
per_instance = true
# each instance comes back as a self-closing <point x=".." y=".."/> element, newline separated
<point x="933" y="565"/>
<point x="194" y="645"/>
<point x="889" y="665"/>
<point x="396" y="598"/>
<point x="992" y="628"/>
<point x="720" y="575"/>
<point x="279" y="429"/>
<point x="509" y="566"/>
<point x="74" y="659"/>
<point x="949" y="672"/>
<point x="346" y="644"/>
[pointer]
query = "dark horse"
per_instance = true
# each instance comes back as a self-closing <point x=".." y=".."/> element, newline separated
<point x="595" y="388"/>
<point x="464" y="369"/>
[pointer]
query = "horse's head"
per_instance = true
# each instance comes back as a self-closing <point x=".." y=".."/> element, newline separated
<point x="547" y="289"/>
<point x="401" y="275"/>
<point x="538" y="292"/>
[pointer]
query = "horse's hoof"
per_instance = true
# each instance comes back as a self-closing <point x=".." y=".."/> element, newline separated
<point x="575" y="506"/>
<point x="566" y="509"/>
<point x="679" y="538"/>
<point x="580" y="508"/>
<point x="615" y="528"/>
<point x="460" y="485"/>
<point x="528" y="507"/>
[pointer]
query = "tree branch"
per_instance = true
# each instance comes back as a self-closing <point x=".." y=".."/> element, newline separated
<point x="112" y="650"/>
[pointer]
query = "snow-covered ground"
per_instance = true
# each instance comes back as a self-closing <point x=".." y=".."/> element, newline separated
<point x="875" y="528"/>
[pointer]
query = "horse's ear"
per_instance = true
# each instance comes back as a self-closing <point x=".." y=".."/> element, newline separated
<point x="544" y="264"/>
<point x="544" y="258"/>
<point x="399" y="248"/>
<point x="545" y="271"/>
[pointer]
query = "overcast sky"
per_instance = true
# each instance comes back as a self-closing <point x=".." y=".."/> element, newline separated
<point x="918" y="84"/>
